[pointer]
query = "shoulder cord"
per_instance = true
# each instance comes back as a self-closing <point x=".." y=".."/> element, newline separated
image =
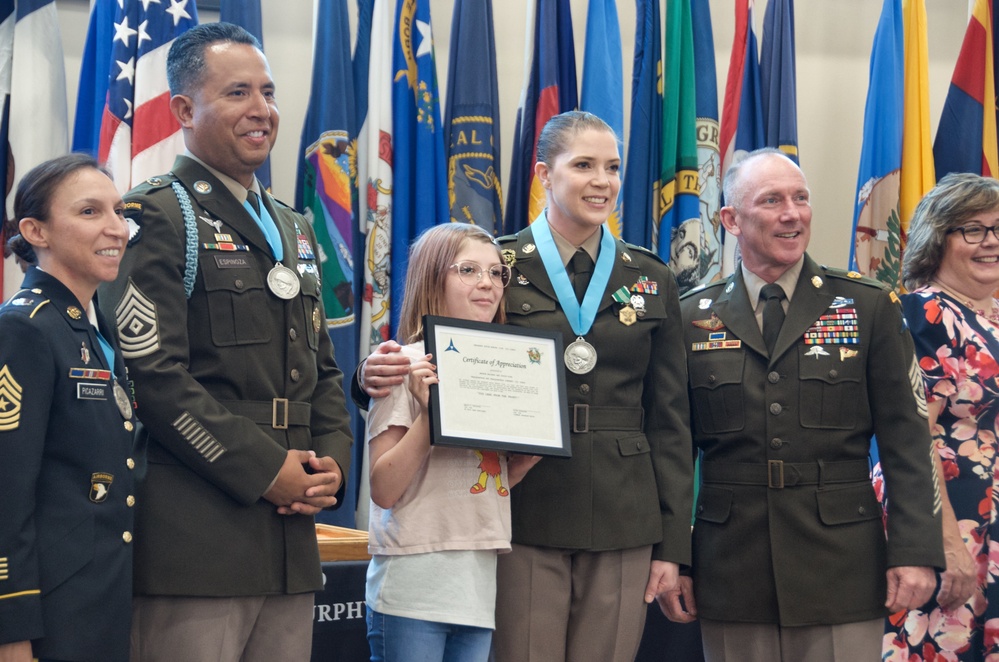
<point x="191" y="237"/>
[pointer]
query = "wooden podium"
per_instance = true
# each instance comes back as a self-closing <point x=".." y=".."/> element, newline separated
<point x="337" y="543"/>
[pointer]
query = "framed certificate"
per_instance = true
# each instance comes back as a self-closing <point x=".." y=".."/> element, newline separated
<point x="501" y="387"/>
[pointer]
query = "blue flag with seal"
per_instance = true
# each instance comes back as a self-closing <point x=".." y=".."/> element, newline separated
<point x="471" y="120"/>
<point x="419" y="196"/>
<point x="708" y="150"/>
<point x="676" y="236"/>
<point x="326" y="193"/>
<point x="876" y="249"/>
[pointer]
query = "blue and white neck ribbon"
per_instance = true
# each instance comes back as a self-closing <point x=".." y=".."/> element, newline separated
<point x="267" y="226"/>
<point x="580" y="316"/>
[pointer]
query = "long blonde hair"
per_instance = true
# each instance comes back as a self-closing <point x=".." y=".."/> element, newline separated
<point x="430" y="259"/>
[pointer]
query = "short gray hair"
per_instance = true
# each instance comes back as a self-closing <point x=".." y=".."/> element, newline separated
<point x="733" y="189"/>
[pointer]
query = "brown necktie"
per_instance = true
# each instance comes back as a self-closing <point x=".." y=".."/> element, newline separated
<point x="773" y="313"/>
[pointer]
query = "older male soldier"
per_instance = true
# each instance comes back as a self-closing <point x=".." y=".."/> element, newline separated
<point x="793" y="367"/>
<point x="222" y="326"/>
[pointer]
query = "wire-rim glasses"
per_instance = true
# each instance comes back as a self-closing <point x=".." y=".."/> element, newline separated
<point x="470" y="273"/>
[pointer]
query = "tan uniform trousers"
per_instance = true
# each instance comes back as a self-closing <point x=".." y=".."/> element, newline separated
<point x="554" y="604"/>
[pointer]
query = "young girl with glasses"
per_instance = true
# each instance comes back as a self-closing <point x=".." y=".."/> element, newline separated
<point x="435" y="525"/>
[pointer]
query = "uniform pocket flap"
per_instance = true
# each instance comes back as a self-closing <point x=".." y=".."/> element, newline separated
<point x="528" y="302"/>
<point x="711" y="371"/>
<point x="633" y="444"/>
<point x="714" y="504"/>
<point x="230" y="280"/>
<point x="829" y="370"/>
<point x="843" y="505"/>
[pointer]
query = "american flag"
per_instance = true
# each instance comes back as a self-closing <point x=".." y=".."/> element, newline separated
<point x="139" y="135"/>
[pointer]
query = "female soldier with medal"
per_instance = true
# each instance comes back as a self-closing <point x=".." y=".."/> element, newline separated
<point x="66" y="425"/>
<point x="599" y="535"/>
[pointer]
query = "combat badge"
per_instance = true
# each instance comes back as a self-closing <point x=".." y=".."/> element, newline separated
<point x="100" y="485"/>
<point x="816" y="351"/>
<point x="138" y="329"/>
<point x="638" y="302"/>
<point x="10" y="401"/>
<point x="710" y="324"/>
<point x="509" y="257"/>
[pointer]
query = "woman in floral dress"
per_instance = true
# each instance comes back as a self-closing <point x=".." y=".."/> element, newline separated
<point x="951" y="268"/>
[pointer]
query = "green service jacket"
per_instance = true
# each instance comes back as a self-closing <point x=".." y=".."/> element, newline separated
<point x="208" y="369"/>
<point x="628" y="483"/>
<point x="788" y="529"/>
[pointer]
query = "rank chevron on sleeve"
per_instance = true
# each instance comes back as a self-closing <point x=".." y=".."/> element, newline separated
<point x="138" y="330"/>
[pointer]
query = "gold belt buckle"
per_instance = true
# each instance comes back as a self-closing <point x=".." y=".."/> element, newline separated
<point x="279" y="421"/>
<point x="775" y="474"/>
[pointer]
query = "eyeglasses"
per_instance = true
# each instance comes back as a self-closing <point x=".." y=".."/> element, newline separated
<point x="470" y="273"/>
<point x="975" y="234"/>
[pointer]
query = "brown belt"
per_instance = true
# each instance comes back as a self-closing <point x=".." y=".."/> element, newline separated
<point x="584" y="418"/>
<point x="278" y="413"/>
<point x="779" y="474"/>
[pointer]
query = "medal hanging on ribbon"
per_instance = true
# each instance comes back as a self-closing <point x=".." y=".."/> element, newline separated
<point x="580" y="356"/>
<point x="282" y="281"/>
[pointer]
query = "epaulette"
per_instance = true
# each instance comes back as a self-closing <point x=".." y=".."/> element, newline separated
<point x="703" y="287"/>
<point x="133" y="207"/>
<point x="644" y="251"/>
<point x="157" y="182"/>
<point x="506" y="238"/>
<point x="282" y="203"/>
<point x="27" y="302"/>
<point x="855" y="277"/>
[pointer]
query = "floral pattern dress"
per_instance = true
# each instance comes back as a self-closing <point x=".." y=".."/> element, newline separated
<point x="958" y="362"/>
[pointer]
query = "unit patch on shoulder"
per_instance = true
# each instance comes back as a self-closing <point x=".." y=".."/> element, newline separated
<point x="138" y="329"/>
<point x="10" y="401"/>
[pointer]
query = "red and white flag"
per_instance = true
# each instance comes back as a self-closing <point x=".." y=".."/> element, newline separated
<point x="139" y="135"/>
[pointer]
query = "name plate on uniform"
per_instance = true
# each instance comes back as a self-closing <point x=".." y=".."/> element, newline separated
<point x="501" y="387"/>
<point x="89" y="391"/>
